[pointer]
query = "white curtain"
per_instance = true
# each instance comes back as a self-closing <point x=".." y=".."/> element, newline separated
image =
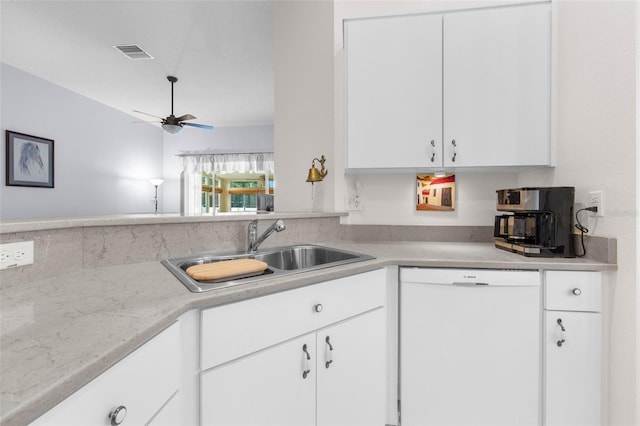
<point x="228" y="163"/>
<point x="194" y="164"/>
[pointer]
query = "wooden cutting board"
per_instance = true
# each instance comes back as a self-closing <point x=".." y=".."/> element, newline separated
<point x="226" y="269"/>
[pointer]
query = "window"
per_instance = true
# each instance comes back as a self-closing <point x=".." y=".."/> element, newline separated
<point x="243" y="195"/>
<point x="212" y="183"/>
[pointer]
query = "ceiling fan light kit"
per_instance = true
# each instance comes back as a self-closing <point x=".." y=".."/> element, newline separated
<point x="173" y="124"/>
<point x="172" y="128"/>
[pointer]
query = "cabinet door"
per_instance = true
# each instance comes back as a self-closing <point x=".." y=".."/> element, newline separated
<point x="171" y="414"/>
<point x="265" y="388"/>
<point x="142" y="382"/>
<point x="497" y="87"/>
<point x="352" y="377"/>
<point x="572" y="369"/>
<point x="394" y="92"/>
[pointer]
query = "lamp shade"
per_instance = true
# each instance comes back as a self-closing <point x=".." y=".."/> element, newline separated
<point x="172" y="128"/>
<point x="156" y="182"/>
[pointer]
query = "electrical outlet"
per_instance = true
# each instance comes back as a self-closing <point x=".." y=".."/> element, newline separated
<point x="354" y="204"/>
<point x="596" y="199"/>
<point x="16" y="254"/>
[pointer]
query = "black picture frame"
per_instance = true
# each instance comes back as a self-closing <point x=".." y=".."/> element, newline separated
<point x="29" y="160"/>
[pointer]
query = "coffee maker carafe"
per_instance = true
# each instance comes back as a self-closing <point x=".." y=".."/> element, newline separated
<point x="540" y="222"/>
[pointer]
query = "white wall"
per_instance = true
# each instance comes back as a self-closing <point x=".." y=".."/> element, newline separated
<point x="102" y="160"/>
<point x="596" y="133"/>
<point x="218" y="140"/>
<point x="637" y="396"/>
<point x="594" y="128"/>
<point x="303" y="116"/>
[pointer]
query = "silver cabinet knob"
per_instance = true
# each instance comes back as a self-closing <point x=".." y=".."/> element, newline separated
<point x="318" y="307"/>
<point x="118" y="415"/>
<point x="576" y="292"/>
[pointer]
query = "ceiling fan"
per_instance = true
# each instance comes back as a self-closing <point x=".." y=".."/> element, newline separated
<point x="173" y="124"/>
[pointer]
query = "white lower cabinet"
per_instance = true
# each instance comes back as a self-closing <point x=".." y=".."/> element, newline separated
<point x="171" y="414"/>
<point x="264" y="388"/>
<point x="470" y="345"/>
<point x="139" y="389"/>
<point x="319" y="355"/>
<point x="328" y="369"/>
<point x="572" y="348"/>
<point x="352" y="387"/>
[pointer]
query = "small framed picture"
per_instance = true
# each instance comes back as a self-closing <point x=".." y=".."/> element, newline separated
<point x="29" y="160"/>
<point x="436" y="193"/>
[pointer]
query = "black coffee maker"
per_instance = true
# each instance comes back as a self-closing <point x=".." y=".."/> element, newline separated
<point x="540" y="223"/>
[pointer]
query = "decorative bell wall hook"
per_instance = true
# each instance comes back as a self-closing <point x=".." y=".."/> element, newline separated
<point x="316" y="175"/>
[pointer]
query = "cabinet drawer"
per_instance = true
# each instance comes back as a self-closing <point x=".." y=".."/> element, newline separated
<point x="237" y="329"/>
<point x="573" y="291"/>
<point x="142" y="382"/>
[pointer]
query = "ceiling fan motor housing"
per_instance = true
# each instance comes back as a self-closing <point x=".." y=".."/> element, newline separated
<point x="172" y="119"/>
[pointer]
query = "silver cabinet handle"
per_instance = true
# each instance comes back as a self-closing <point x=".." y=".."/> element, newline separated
<point x="306" y="365"/>
<point x="453" y="143"/>
<point x="433" y="150"/>
<point x="576" y="292"/>
<point x="562" y="330"/>
<point x="118" y="415"/>
<point x="329" y="353"/>
<point x="318" y="308"/>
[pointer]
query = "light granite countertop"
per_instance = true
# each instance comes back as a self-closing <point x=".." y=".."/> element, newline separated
<point x="26" y="225"/>
<point x="58" y="334"/>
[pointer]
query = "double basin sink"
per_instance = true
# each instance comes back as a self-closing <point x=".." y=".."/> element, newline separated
<point x="282" y="261"/>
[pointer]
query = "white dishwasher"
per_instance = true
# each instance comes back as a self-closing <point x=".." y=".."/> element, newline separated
<point x="469" y="347"/>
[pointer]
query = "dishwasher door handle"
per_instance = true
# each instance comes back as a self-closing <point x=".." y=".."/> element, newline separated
<point x="468" y="284"/>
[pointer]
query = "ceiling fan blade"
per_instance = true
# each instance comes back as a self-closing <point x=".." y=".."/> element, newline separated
<point x="146" y="113"/>
<point x="185" y="117"/>
<point x="202" y="126"/>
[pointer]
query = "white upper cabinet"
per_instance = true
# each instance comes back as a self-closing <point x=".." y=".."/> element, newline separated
<point x="454" y="90"/>
<point x="394" y="91"/>
<point x="497" y="87"/>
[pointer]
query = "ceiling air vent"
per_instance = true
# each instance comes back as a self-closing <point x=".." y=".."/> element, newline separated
<point x="133" y="51"/>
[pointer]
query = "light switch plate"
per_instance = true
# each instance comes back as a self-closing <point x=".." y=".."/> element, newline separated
<point x="17" y="254"/>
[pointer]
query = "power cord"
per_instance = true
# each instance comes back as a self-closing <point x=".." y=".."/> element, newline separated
<point x="583" y="229"/>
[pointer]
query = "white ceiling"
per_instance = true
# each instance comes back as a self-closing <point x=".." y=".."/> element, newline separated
<point x="221" y="52"/>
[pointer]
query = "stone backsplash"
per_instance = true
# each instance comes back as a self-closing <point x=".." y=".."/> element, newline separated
<point x="62" y="250"/>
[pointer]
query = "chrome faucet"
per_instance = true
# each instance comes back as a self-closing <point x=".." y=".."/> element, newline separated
<point x="254" y="241"/>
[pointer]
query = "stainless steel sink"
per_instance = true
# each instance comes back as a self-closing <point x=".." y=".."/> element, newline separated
<point x="281" y="260"/>
<point x="305" y="257"/>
